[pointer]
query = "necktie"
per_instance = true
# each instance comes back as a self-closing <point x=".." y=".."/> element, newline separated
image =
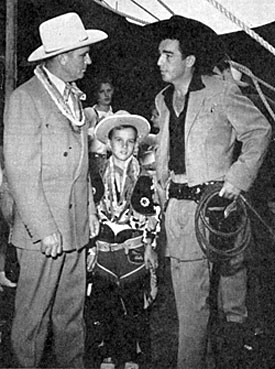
<point x="72" y="96"/>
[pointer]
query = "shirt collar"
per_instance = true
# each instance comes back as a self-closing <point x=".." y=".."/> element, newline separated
<point x="196" y="84"/>
<point x="59" y="84"/>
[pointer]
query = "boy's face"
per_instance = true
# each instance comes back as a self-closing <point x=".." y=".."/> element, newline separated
<point x="122" y="143"/>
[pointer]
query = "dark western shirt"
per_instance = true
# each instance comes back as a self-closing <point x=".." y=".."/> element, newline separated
<point x="177" y="126"/>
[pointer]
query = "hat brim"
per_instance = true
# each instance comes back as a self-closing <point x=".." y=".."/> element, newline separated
<point x="107" y="124"/>
<point x="93" y="37"/>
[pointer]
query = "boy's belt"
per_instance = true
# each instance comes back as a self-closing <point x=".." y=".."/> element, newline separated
<point x="131" y="243"/>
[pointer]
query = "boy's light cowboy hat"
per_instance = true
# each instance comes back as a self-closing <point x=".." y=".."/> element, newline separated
<point x="122" y="118"/>
<point x="64" y="33"/>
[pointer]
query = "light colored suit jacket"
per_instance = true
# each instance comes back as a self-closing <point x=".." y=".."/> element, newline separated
<point x="217" y="115"/>
<point x="47" y="169"/>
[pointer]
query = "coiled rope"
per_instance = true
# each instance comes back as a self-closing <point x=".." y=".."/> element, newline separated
<point x="218" y="239"/>
<point x="222" y="227"/>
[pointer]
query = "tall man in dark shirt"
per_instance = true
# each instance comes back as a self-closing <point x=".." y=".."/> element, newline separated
<point x="201" y="116"/>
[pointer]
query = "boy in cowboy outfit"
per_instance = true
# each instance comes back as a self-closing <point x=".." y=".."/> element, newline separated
<point x="45" y="148"/>
<point x="123" y="256"/>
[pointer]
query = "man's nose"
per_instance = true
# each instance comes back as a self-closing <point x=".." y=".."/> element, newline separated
<point x="160" y="60"/>
<point x="88" y="59"/>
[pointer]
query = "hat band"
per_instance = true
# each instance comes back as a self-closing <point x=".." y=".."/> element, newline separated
<point x="48" y="49"/>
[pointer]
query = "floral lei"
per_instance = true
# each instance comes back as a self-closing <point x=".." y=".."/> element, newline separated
<point x="57" y="98"/>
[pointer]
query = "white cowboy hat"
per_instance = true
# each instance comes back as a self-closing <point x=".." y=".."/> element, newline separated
<point x="64" y="33"/>
<point x="121" y="118"/>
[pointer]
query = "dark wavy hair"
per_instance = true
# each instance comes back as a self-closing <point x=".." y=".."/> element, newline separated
<point x="195" y="38"/>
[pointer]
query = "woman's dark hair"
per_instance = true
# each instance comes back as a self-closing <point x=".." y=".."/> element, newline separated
<point x="98" y="81"/>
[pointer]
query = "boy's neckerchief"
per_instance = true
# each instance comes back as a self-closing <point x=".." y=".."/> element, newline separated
<point x="58" y="99"/>
<point x="117" y="207"/>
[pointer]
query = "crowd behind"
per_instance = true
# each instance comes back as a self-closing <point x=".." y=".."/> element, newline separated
<point x="92" y="199"/>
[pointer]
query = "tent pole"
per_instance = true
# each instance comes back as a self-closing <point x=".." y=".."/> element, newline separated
<point x="11" y="47"/>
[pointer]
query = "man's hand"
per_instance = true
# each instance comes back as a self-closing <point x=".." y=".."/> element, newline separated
<point x="52" y="245"/>
<point x="94" y="225"/>
<point x="4" y="281"/>
<point x="150" y="257"/>
<point x="91" y="259"/>
<point x="229" y="191"/>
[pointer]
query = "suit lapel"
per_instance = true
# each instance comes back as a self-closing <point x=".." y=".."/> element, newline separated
<point x="195" y="102"/>
<point x="61" y="119"/>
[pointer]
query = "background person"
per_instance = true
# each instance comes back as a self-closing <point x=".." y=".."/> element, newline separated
<point x="46" y="161"/>
<point x="201" y="116"/>
<point x="104" y="91"/>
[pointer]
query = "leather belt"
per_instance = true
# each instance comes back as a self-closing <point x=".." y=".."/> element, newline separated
<point x="181" y="191"/>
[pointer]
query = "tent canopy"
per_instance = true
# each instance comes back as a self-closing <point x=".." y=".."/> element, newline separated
<point x="217" y="14"/>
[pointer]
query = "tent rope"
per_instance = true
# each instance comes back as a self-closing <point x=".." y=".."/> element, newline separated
<point x="166" y="7"/>
<point x="134" y="19"/>
<point x="256" y="80"/>
<point x="242" y="25"/>
<point x="241" y="67"/>
<point x="144" y="9"/>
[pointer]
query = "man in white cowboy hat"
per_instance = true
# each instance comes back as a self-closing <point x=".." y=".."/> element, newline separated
<point x="200" y="118"/>
<point x="45" y="148"/>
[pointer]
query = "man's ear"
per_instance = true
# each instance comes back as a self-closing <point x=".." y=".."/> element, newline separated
<point x="190" y="61"/>
<point x="62" y="58"/>
<point x="108" y="144"/>
<point x="136" y="148"/>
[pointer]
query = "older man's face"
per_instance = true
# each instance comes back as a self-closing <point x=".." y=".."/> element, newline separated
<point x="76" y="63"/>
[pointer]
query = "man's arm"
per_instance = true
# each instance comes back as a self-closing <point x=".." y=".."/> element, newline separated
<point x="93" y="219"/>
<point x="254" y="131"/>
<point x="22" y="149"/>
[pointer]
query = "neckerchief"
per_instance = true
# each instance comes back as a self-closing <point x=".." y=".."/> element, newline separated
<point x="58" y="99"/>
<point x="113" y="205"/>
